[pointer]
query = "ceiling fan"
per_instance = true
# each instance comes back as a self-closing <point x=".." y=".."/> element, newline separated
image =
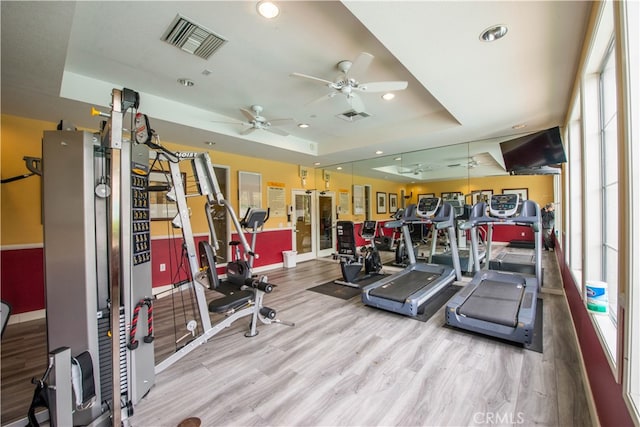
<point x="480" y="159"/>
<point x="255" y="121"/>
<point x="347" y="85"/>
<point x="416" y="169"/>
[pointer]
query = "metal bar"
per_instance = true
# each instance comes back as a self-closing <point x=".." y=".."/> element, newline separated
<point x="115" y="252"/>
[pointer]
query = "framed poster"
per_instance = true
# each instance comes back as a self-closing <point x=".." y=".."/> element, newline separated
<point x="424" y="196"/>
<point x="481" y="196"/>
<point x="358" y="200"/>
<point x="381" y="203"/>
<point x="522" y="192"/>
<point x="393" y="202"/>
<point x="161" y="208"/>
<point x="249" y="191"/>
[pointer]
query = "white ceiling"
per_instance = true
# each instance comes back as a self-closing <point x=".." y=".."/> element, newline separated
<point x="61" y="58"/>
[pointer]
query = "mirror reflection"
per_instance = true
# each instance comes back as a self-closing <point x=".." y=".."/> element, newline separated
<point x="465" y="173"/>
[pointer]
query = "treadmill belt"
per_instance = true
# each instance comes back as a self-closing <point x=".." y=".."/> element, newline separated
<point x="404" y="286"/>
<point x="494" y="301"/>
<point x="518" y="259"/>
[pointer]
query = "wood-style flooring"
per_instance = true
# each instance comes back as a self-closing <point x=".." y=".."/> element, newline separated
<point x="343" y="364"/>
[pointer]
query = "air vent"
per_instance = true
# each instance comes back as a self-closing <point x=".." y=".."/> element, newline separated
<point x="192" y="38"/>
<point x="353" y="115"/>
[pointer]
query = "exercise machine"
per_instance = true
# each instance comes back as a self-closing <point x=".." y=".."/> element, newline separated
<point x="247" y="299"/>
<point x="388" y="243"/>
<point x="353" y="260"/>
<point x="465" y="254"/>
<point x="496" y="303"/>
<point x="405" y="291"/>
<point x="97" y="256"/>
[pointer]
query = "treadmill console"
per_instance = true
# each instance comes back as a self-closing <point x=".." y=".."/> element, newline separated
<point x="504" y="205"/>
<point x="427" y="207"/>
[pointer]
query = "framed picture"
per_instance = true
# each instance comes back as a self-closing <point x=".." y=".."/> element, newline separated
<point x="381" y="203"/>
<point x="161" y="208"/>
<point x="249" y="191"/>
<point x="523" y="192"/>
<point x="481" y="196"/>
<point x="393" y="202"/>
<point x="451" y="195"/>
<point x="424" y="196"/>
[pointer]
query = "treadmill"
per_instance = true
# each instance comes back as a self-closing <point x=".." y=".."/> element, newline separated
<point x="497" y="303"/>
<point x="405" y="291"/>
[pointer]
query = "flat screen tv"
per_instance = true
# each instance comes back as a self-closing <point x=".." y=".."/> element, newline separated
<point x="532" y="151"/>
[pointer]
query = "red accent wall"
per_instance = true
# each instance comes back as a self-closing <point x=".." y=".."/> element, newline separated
<point x="607" y="393"/>
<point x="22" y="271"/>
<point x="501" y="233"/>
<point x="22" y="279"/>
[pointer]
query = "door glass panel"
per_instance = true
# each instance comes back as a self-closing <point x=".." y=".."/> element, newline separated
<point x="325" y="204"/>
<point x="303" y="223"/>
<point x="219" y="216"/>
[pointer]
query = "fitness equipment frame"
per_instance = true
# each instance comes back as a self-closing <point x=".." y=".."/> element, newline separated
<point x="405" y="291"/>
<point x="96" y="235"/>
<point x="495" y="303"/>
<point x="248" y="300"/>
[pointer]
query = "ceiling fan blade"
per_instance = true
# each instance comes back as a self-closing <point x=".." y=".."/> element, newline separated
<point x="322" y="98"/>
<point x="389" y="86"/>
<point x="248" y="130"/>
<point x="276" y="131"/>
<point x="318" y="79"/>
<point x="281" y="121"/>
<point x="227" y="122"/>
<point x="248" y="114"/>
<point x="360" y="64"/>
<point x="356" y="103"/>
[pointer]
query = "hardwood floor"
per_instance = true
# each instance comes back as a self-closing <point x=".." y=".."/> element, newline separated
<point x="343" y="364"/>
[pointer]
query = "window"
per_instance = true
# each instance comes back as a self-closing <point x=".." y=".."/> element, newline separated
<point x="609" y="185"/>
<point x="573" y="251"/>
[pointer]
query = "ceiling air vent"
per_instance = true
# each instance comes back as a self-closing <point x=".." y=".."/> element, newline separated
<point x="192" y="38"/>
<point x="353" y="115"/>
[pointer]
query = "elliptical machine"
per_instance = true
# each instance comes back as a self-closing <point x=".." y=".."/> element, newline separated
<point x="352" y="260"/>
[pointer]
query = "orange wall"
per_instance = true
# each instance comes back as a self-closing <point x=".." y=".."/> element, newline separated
<point x="540" y="187"/>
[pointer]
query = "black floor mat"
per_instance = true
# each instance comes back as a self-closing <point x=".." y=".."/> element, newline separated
<point x="435" y="303"/>
<point x="343" y="291"/>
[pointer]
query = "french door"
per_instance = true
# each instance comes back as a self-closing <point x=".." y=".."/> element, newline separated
<point x="313" y="224"/>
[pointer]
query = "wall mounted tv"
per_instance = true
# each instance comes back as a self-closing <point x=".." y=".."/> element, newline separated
<point x="532" y="151"/>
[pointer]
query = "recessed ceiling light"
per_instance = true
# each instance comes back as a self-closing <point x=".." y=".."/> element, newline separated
<point x="388" y="96"/>
<point x="493" y="33"/>
<point x="303" y="125"/>
<point x="379" y="152"/>
<point x="339" y="168"/>
<point x="268" y="9"/>
<point x="316" y="164"/>
<point x="398" y="159"/>
<point x="210" y="143"/>
<point x="186" y="82"/>
<point x="519" y="126"/>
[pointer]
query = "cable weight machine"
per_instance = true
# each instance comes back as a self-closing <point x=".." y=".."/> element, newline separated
<point x="247" y="301"/>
